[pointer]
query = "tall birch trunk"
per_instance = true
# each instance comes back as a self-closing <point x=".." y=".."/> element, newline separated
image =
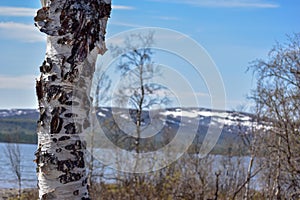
<point x="75" y="32"/>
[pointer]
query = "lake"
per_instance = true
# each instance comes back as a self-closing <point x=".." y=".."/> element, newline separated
<point x="9" y="180"/>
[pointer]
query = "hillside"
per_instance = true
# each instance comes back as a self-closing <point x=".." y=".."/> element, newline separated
<point x="19" y="125"/>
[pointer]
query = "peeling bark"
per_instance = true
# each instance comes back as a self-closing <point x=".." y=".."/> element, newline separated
<point x="75" y="35"/>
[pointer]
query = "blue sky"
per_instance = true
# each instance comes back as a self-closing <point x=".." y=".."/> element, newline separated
<point x="234" y="32"/>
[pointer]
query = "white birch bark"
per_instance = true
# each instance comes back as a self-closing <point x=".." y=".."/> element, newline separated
<point x="75" y="35"/>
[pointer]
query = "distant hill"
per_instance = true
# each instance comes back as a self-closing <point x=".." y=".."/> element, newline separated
<point x="19" y="125"/>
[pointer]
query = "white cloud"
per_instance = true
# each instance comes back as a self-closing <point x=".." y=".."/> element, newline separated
<point x="31" y="12"/>
<point x="167" y="18"/>
<point x="21" y="32"/>
<point x="225" y="3"/>
<point x="17" y="11"/>
<point x="120" y="7"/>
<point x="17" y="82"/>
<point x="117" y="23"/>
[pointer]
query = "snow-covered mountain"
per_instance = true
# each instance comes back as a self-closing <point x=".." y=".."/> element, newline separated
<point x="17" y="113"/>
<point x="233" y="121"/>
<point x="117" y="123"/>
<point x="230" y="117"/>
<point x="235" y="127"/>
<point x="203" y="115"/>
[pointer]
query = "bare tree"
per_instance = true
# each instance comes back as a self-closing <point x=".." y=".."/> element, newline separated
<point x="12" y="151"/>
<point x="138" y="92"/>
<point x="102" y="83"/>
<point x="75" y="35"/>
<point x="277" y="98"/>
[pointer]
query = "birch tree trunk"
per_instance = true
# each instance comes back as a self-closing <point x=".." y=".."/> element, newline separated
<point x="75" y="35"/>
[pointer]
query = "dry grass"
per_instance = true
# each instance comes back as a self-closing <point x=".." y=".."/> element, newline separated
<point x="12" y="194"/>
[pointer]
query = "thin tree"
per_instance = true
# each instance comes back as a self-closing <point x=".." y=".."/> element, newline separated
<point x="140" y="93"/>
<point x="75" y="36"/>
<point x="277" y="98"/>
<point x="102" y="83"/>
<point x="12" y="151"/>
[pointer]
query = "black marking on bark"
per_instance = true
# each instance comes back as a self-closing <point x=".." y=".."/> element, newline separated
<point x="70" y="147"/>
<point x="56" y="124"/>
<point x="78" y="144"/>
<point x="52" y="78"/>
<point x="58" y="111"/>
<point x="69" y="177"/>
<point x="63" y="138"/>
<point x="84" y="182"/>
<point x="53" y="92"/>
<point x="37" y="153"/>
<point x="72" y="75"/>
<point x="63" y="61"/>
<point x="65" y="165"/>
<point x="58" y="150"/>
<point x="70" y="128"/>
<point x="75" y="26"/>
<point x="79" y="158"/>
<point x="45" y="157"/>
<point x="57" y="10"/>
<point x="69" y="103"/>
<point x="49" y="195"/>
<point x="39" y="89"/>
<point x="74" y="147"/>
<point x="76" y="193"/>
<point x="46" y="66"/>
<point x="49" y="61"/>
<point x="64" y="97"/>
<point x="62" y="40"/>
<point x="54" y="140"/>
<point x="71" y="115"/>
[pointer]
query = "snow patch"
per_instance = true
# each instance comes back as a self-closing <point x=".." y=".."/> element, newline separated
<point x="101" y="114"/>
